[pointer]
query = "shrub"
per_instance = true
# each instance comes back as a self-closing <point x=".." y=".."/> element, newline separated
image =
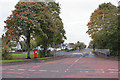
<point x="6" y="54"/>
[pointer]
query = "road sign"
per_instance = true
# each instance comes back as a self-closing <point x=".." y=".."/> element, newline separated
<point x="63" y="45"/>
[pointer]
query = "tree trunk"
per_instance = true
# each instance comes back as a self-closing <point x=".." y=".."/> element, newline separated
<point x="28" y="44"/>
<point x="45" y="48"/>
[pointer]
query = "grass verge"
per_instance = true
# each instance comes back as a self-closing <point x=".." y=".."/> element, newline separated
<point x="20" y="60"/>
<point x="21" y="55"/>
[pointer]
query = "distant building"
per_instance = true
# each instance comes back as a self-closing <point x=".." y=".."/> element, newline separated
<point x="15" y="47"/>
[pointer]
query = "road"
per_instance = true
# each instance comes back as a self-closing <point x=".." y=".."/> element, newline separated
<point x="75" y="65"/>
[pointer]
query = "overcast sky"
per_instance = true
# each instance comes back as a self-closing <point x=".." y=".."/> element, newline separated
<point x="74" y="13"/>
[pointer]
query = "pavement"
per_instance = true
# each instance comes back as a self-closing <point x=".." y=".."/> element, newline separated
<point x="73" y="65"/>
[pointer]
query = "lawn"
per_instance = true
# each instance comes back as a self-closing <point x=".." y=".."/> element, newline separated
<point x="18" y="57"/>
<point x="21" y="55"/>
<point x="20" y="60"/>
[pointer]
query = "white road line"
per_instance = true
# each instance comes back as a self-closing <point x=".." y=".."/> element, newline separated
<point x="21" y="69"/>
<point x="43" y="70"/>
<point x="102" y="71"/>
<point x="72" y="64"/>
<point x="78" y="53"/>
<point x="111" y="72"/>
<point x="113" y="69"/>
<point x="80" y="71"/>
<point x="77" y="60"/>
<point x="86" y="71"/>
<point x="54" y="71"/>
<point x="11" y="69"/>
<point x="31" y="70"/>
<point x="99" y="71"/>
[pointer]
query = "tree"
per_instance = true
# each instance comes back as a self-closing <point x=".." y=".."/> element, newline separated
<point x="24" y="20"/>
<point x="5" y="48"/>
<point x="53" y="30"/>
<point x="90" y="44"/>
<point x="36" y="20"/>
<point x="118" y="34"/>
<point x="79" y="46"/>
<point x="103" y="27"/>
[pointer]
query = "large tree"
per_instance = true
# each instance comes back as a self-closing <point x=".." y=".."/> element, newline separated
<point x="103" y="27"/>
<point x="38" y="20"/>
<point x="53" y="30"/>
<point x="24" y="19"/>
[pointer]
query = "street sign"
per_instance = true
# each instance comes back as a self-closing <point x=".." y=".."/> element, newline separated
<point x="63" y="45"/>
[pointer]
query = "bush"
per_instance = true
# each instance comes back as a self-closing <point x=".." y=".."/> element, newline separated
<point x="6" y="54"/>
<point x="41" y="53"/>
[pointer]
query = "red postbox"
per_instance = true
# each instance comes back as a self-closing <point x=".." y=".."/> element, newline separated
<point x="35" y="53"/>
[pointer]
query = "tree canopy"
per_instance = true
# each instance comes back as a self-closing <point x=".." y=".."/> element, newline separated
<point x="103" y="27"/>
<point x="38" y="20"/>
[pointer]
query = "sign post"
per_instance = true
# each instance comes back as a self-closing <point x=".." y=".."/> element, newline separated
<point x="63" y="45"/>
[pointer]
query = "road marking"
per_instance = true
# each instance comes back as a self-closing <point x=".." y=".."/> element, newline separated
<point x="43" y="60"/>
<point x="113" y="69"/>
<point x="43" y="70"/>
<point x="99" y="71"/>
<point x="31" y="70"/>
<point x="77" y="60"/>
<point x="95" y="70"/>
<point x="80" y="71"/>
<point x="78" y="53"/>
<point x="86" y="71"/>
<point x="12" y="69"/>
<point x="72" y="64"/>
<point x="102" y="71"/>
<point x="21" y="69"/>
<point x="54" y="71"/>
<point x="111" y="72"/>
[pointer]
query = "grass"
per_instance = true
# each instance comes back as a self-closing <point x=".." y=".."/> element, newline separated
<point x="20" y="60"/>
<point x="21" y="55"/>
<point x="80" y="50"/>
<point x="7" y="61"/>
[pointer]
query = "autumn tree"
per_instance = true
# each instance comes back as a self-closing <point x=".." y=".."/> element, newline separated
<point x="103" y="27"/>
<point x="36" y="20"/>
<point x="24" y="19"/>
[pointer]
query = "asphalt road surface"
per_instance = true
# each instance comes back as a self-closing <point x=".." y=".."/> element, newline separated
<point x="75" y="65"/>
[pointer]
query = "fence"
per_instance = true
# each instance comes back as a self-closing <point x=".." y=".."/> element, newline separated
<point x="102" y="52"/>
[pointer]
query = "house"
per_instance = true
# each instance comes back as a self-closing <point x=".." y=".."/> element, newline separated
<point x="15" y="46"/>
